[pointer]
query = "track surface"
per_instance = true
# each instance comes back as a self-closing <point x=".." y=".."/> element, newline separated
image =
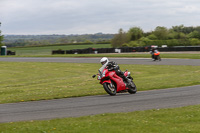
<point x="90" y="105"/>
<point x="194" y="62"/>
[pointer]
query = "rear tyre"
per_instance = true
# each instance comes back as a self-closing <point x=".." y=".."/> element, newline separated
<point x="110" y="88"/>
<point x="159" y="58"/>
<point x="132" y="88"/>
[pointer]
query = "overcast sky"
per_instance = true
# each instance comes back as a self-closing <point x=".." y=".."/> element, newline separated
<point x="93" y="16"/>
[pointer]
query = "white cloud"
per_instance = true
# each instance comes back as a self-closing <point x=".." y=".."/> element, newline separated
<point x="89" y="16"/>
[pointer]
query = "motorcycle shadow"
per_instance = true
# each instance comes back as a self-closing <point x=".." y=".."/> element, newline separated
<point x="117" y="95"/>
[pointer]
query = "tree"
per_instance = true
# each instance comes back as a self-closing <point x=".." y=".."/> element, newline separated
<point x="176" y="35"/>
<point x="119" y="39"/>
<point x="1" y="37"/>
<point x="183" y="29"/>
<point x="194" y="34"/>
<point x="161" y="33"/>
<point x="178" y="28"/>
<point x="194" y="41"/>
<point x="135" y="33"/>
<point x="152" y="37"/>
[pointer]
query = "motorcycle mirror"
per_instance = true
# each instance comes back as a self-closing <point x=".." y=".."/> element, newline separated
<point x="94" y="76"/>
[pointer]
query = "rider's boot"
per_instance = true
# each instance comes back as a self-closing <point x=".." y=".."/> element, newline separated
<point x="153" y="57"/>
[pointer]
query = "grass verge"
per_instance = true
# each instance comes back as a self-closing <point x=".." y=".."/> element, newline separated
<point x="30" y="81"/>
<point x="178" y="120"/>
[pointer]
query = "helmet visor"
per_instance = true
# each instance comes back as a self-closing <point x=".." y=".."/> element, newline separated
<point x="104" y="62"/>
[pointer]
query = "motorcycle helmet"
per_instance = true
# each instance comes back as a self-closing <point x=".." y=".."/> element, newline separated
<point x="104" y="60"/>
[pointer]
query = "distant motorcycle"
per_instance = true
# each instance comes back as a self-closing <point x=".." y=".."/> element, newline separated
<point x="113" y="84"/>
<point x="156" y="55"/>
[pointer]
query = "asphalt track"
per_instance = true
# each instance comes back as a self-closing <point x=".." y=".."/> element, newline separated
<point x="91" y="105"/>
<point x="145" y="61"/>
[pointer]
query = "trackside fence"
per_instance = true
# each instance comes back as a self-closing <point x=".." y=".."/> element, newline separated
<point x="125" y="50"/>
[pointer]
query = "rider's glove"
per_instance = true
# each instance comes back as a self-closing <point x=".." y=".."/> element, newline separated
<point x="110" y="69"/>
<point x="116" y="67"/>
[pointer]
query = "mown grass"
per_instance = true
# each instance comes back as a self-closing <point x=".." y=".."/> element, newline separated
<point x="30" y="81"/>
<point x="178" y="120"/>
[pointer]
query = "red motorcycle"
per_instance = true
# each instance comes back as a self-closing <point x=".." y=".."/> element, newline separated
<point x="113" y="84"/>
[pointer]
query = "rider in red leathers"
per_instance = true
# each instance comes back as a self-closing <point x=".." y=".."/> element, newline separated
<point x="111" y="65"/>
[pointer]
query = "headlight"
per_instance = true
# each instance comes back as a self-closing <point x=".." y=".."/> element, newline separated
<point x="103" y="75"/>
<point x="129" y="73"/>
<point x="99" y="77"/>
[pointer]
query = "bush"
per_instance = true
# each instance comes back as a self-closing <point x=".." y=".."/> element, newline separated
<point x="133" y="44"/>
<point x="194" y="42"/>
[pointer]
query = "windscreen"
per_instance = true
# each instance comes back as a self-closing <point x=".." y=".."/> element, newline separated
<point x="102" y="68"/>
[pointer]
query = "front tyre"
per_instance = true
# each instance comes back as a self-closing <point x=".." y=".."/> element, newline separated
<point x="110" y="88"/>
<point x="132" y="88"/>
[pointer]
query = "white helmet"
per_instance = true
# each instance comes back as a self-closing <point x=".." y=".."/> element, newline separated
<point x="104" y="60"/>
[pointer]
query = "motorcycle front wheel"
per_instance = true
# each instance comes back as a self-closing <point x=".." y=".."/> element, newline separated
<point x="110" y="88"/>
<point x="132" y="89"/>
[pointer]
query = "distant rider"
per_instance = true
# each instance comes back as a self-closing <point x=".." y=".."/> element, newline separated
<point x="111" y="65"/>
<point x="152" y="51"/>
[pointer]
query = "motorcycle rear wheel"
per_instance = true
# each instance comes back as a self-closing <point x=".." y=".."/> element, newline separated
<point x="159" y="58"/>
<point x="132" y="89"/>
<point x="110" y="88"/>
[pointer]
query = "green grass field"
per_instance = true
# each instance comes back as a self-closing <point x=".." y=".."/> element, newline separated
<point x="29" y="81"/>
<point x="178" y="120"/>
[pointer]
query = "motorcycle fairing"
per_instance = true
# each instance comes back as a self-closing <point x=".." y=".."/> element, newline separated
<point x="108" y="76"/>
<point x="119" y="81"/>
<point x="156" y="52"/>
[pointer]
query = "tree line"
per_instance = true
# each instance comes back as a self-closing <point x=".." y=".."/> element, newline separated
<point x="35" y="40"/>
<point x="134" y="37"/>
<point x="1" y="37"/>
<point x="175" y="36"/>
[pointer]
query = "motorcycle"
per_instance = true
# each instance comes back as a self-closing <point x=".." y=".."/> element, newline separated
<point x="156" y="56"/>
<point x="113" y="84"/>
